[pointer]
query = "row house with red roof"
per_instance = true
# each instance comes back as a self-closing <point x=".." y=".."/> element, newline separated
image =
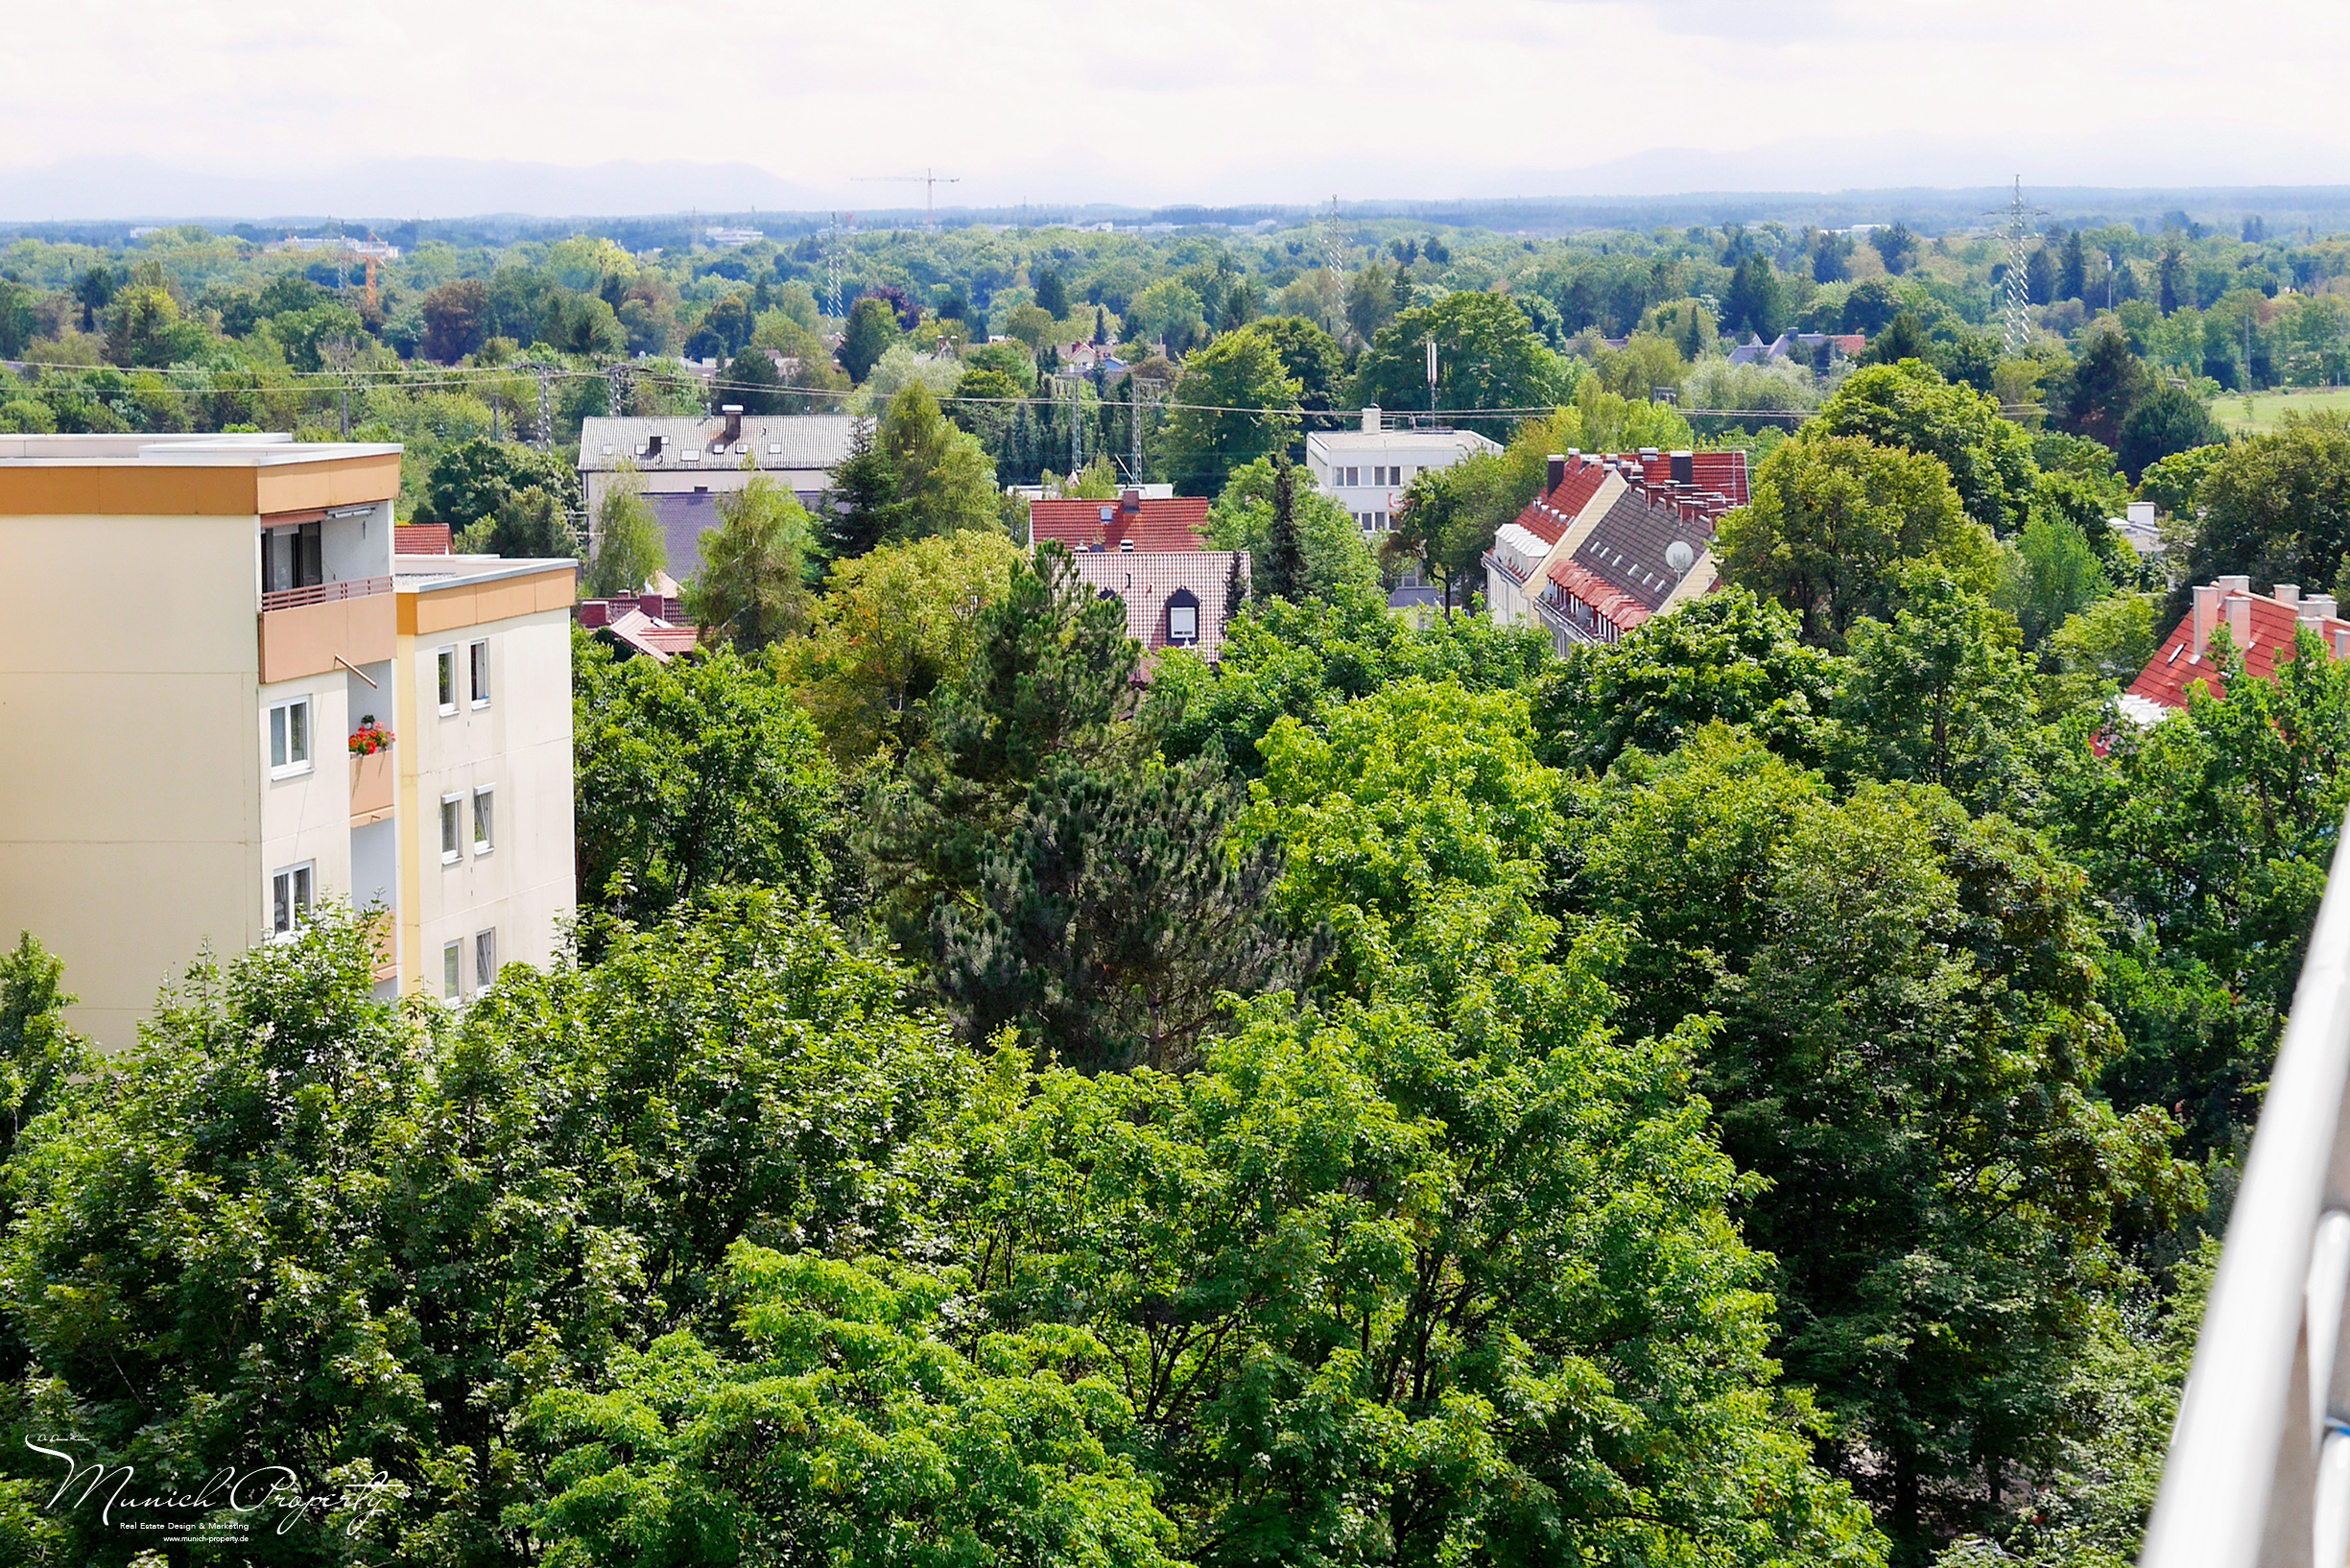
<point x="1613" y="541"/>
<point x="1132" y="522"/>
<point x="1150" y="554"/>
<point x="2264" y="627"/>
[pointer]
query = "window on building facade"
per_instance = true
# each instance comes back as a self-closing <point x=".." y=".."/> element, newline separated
<point x="485" y="804"/>
<point x="290" y="738"/>
<point x="1354" y="476"/>
<point x="446" y="660"/>
<point x="484" y="959"/>
<point x="479" y="657"/>
<point x="449" y="805"/>
<point x="290" y="899"/>
<point x="452" y="968"/>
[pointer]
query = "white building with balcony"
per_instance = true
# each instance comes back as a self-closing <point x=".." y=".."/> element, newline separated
<point x="1366" y="470"/>
<point x="223" y="741"/>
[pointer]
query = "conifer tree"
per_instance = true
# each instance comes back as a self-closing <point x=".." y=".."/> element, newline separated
<point x="1285" y="562"/>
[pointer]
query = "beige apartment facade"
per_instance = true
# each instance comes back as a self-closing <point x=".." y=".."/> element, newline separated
<point x="208" y="620"/>
<point x="484" y="767"/>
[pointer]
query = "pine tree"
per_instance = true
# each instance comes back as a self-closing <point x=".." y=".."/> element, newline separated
<point x="1114" y="916"/>
<point x="2073" y="273"/>
<point x="1285" y="562"/>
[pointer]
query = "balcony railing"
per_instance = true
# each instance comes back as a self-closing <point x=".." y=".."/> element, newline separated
<point x="326" y="593"/>
<point x="2259" y="1466"/>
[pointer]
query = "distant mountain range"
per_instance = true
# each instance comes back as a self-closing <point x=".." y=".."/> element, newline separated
<point x="649" y="202"/>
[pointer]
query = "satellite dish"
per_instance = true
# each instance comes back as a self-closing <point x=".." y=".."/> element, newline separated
<point x="1679" y="556"/>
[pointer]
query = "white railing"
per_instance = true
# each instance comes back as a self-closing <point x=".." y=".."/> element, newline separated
<point x="2259" y="1466"/>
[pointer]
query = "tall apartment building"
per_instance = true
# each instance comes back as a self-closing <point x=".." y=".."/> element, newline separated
<point x="1366" y="470"/>
<point x="184" y="761"/>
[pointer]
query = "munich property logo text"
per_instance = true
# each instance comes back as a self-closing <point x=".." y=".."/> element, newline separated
<point x="225" y="1506"/>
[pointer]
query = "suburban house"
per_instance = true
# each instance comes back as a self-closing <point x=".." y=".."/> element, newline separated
<point x="685" y="462"/>
<point x="171" y="777"/>
<point x="1837" y="346"/>
<point x="1366" y="470"/>
<point x="1613" y="541"/>
<point x="2138" y="526"/>
<point x="652" y="625"/>
<point x="1134" y="521"/>
<point x="1173" y="598"/>
<point x="2264" y="628"/>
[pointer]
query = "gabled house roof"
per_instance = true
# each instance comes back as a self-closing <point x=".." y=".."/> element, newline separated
<point x="716" y="441"/>
<point x="2265" y="629"/>
<point x="1628" y="534"/>
<point x="1149" y="583"/>
<point x="1176" y="523"/>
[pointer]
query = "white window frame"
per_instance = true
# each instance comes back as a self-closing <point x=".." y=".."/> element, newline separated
<point x="444" y="676"/>
<point x="301" y="882"/>
<point x="295" y="765"/>
<point x="452" y="970"/>
<point x="452" y="843"/>
<point x="477" y="673"/>
<point x="484" y="817"/>
<point x="485" y="959"/>
<point x="1178" y="638"/>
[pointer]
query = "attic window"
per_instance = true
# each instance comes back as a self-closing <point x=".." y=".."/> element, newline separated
<point x="774" y="449"/>
<point x="608" y="451"/>
<point x="1108" y="512"/>
<point x="690" y="455"/>
<point x="1183" y="617"/>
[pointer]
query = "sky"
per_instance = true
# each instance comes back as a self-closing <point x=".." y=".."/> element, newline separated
<point x="441" y="105"/>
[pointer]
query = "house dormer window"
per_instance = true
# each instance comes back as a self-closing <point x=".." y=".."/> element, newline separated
<point x="1182" y="618"/>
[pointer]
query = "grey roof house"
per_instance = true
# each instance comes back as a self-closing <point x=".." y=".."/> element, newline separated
<point x="686" y="462"/>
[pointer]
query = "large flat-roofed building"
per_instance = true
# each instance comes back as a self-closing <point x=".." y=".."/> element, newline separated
<point x="213" y="745"/>
<point x="1366" y="470"/>
<point x="685" y="462"/>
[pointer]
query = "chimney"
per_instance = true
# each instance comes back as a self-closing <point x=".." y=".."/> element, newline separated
<point x="2341" y="644"/>
<point x="2206" y="617"/>
<point x="2286" y="593"/>
<point x="1126" y="546"/>
<point x="1684" y="467"/>
<point x="1370" y="420"/>
<point x="734" y="421"/>
<point x="594" y="613"/>
<point x="2240" y="620"/>
<point x="1648" y="454"/>
<point x="1129" y="502"/>
<point x="2234" y="584"/>
<point x="1554" y="471"/>
<point x="2319" y="607"/>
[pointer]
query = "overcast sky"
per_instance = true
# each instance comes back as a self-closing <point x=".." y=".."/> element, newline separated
<point x="1214" y="101"/>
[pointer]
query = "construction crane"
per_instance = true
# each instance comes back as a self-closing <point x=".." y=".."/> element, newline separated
<point x="929" y="179"/>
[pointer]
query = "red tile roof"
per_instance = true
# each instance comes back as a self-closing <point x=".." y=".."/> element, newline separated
<point x="1547" y="516"/>
<point x="1157" y="526"/>
<point x="1623" y="568"/>
<point x="420" y="538"/>
<point x="2179" y="664"/>
<point x="1622" y="612"/>
<point x="1146" y="580"/>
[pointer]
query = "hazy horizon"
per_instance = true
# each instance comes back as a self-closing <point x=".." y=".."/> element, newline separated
<point x="439" y="110"/>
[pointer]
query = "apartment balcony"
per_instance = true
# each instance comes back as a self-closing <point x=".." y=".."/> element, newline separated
<point x="2259" y="1465"/>
<point x="307" y="631"/>
<point x="371" y="779"/>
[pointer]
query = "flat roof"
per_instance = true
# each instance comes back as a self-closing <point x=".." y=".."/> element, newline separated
<point x="428" y="574"/>
<point x="190" y="476"/>
<point x="182" y="451"/>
